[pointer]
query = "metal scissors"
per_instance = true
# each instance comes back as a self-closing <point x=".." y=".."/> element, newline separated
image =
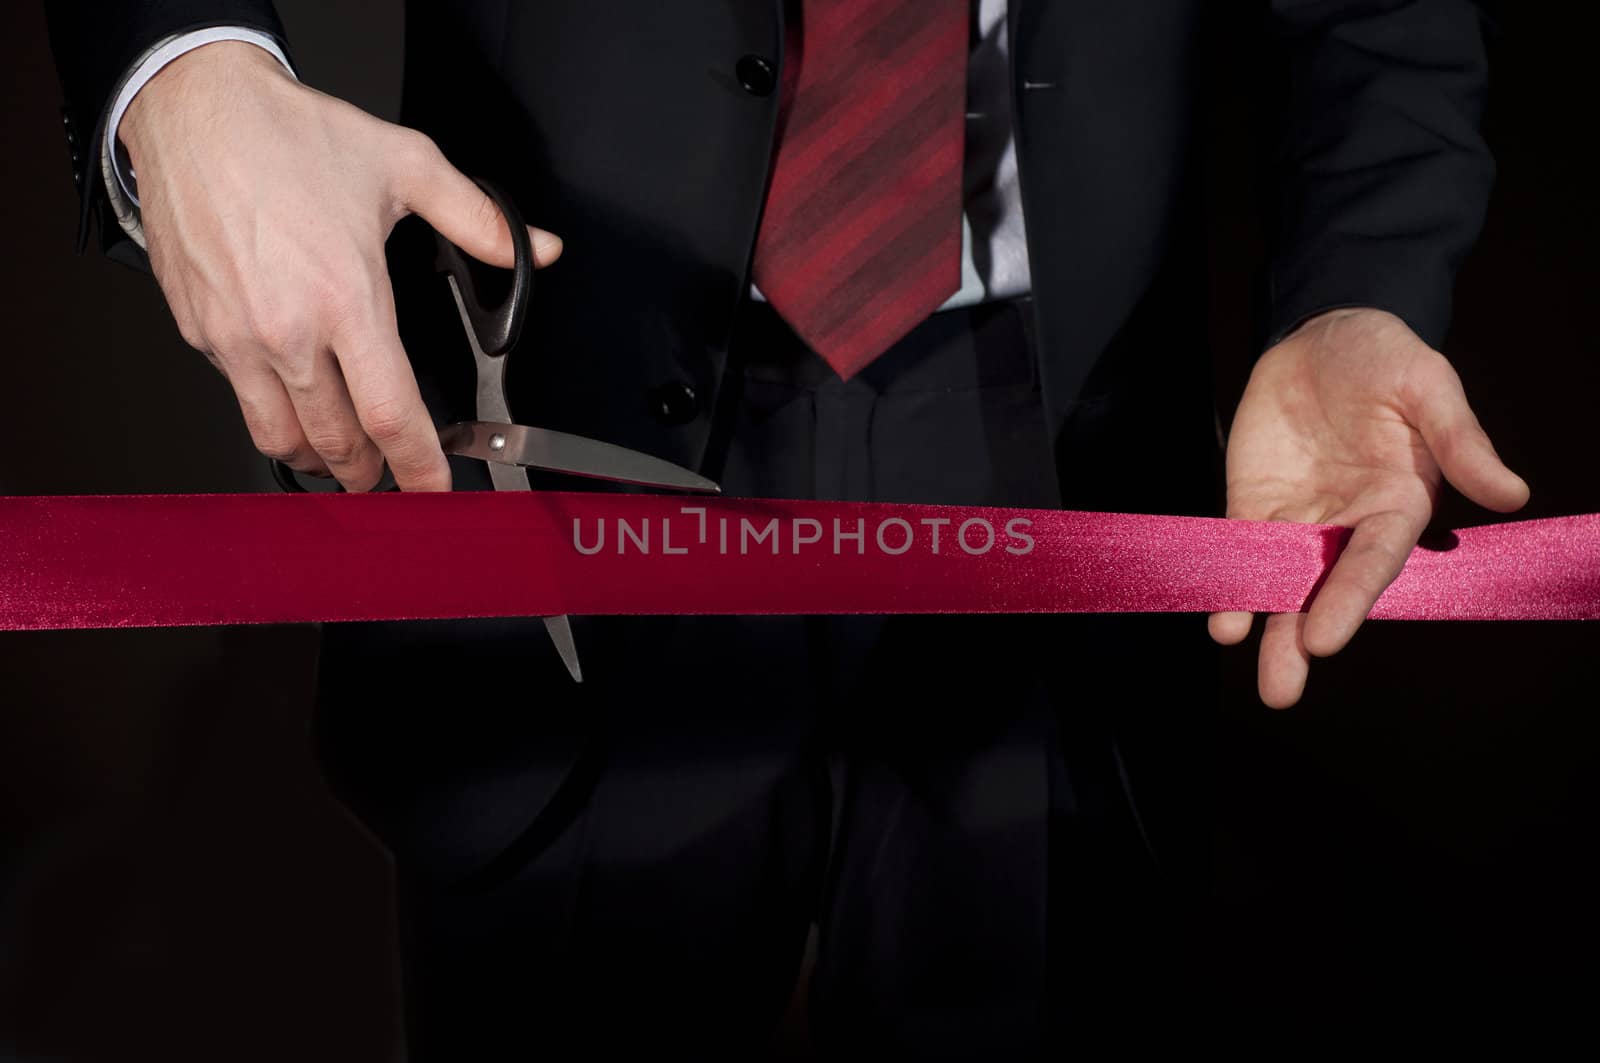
<point x="511" y="449"/>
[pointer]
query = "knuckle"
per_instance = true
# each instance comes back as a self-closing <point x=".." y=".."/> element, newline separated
<point x="387" y="420"/>
<point x="279" y="441"/>
<point x="280" y="448"/>
<point x="191" y="333"/>
<point x="224" y="337"/>
<point x="298" y="371"/>
<point x="280" y="326"/>
<point x="416" y="147"/>
<point x="414" y="156"/>
<point x="338" y="449"/>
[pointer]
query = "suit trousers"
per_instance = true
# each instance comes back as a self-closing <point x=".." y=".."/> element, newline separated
<point x="930" y="815"/>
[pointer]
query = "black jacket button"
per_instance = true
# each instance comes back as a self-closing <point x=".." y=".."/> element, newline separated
<point x="674" y="403"/>
<point x="756" y="75"/>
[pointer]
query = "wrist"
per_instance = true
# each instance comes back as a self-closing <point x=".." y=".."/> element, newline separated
<point x="1327" y="318"/>
<point x="1342" y="324"/>
<point x="200" y="73"/>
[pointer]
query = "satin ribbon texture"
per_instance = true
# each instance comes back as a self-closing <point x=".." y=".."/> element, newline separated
<point x="173" y="560"/>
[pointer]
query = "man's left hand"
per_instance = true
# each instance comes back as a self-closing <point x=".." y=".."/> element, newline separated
<point x="1351" y="420"/>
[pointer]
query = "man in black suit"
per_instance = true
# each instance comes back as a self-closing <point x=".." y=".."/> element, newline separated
<point x="961" y="806"/>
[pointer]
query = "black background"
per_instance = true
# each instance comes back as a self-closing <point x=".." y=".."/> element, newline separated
<point x="1406" y="854"/>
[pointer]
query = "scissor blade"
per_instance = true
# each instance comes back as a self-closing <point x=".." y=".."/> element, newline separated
<point x="515" y="478"/>
<point x="542" y="448"/>
<point x="509" y="477"/>
<point x="560" y="629"/>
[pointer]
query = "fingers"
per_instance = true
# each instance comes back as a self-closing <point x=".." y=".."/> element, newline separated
<point x="454" y="205"/>
<point x="387" y="404"/>
<point x="1284" y="662"/>
<point x="1439" y="409"/>
<point x="345" y="413"/>
<point x="1233" y="627"/>
<point x="328" y="417"/>
<point x="1373" y="557"/>
<point x="273" y="424"/>
<point x="1229" y="629"/>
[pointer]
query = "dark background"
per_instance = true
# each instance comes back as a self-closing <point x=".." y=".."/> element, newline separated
<point x="1406" y="853"/>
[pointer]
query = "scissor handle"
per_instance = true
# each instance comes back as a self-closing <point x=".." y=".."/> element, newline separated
<point x="496" y="328"/>
<point x="287" y="480"/>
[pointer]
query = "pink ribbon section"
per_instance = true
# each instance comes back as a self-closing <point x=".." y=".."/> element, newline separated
<point x="171" y="560"/>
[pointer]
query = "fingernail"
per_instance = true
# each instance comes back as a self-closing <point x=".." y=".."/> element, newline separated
<point x="546" y="244"/>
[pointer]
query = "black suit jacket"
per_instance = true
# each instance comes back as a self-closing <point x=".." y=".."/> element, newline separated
<point x="625" y="128"/>
<point x="628" y="132"/>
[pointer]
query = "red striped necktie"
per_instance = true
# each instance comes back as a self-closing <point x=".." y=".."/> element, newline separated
<point x="861" y="238"/>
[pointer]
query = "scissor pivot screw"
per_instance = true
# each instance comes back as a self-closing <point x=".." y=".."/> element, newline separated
<point x="497" y="442"/>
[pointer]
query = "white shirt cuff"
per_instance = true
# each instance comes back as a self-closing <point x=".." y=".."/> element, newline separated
<point x="120" y="179"/>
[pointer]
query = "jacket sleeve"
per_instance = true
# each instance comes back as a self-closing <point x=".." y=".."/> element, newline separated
<point x="1382" y="174"/>
<point x="96" y="43"/>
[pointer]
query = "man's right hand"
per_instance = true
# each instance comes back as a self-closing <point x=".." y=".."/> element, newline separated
<point x="266" y="205"/>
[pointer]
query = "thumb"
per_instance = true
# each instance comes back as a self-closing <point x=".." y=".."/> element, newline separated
<point x="1461" y="447"/>
<point x="463" y="213"/>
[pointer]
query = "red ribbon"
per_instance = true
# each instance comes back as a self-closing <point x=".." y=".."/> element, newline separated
<point x="165" y="560"/>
